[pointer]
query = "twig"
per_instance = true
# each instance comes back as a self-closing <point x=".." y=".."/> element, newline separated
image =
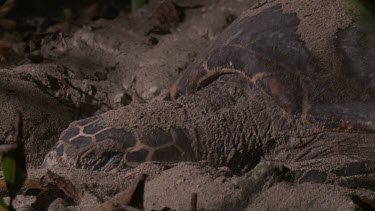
<point x="18" y="134"/>
<point x="193" y="203"/>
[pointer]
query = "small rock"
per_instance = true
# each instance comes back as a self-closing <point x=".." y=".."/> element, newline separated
<point x="153" y="41"/>
<point x="35" y="58"/>
<point x="151" y="93"/>
<point x="154" y="90"/>
<point x="58" y="204"/>
<point x="122" y="98"/>
<point x="91" y="90"/>
<point x="224" y="168"/>
<point x="261" y="3"/>
<point x="230" y="18"/>
<point x="180" y="181"/>
<point x="168" y="13"/>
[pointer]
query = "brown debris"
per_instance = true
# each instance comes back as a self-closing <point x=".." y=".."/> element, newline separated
<point x="7" y="24"/>
<point x="32" y="187"/>
<point x="130" y="198"/>
<point x="4" y="47"/>
<point x="260" y="4"/>
<point x="168" y="13"/>
<point x="29" y="186"/>
<point x="364" y="202"/>
<point x="46" y="197"/>
<point x="51" y="187"/>
<point x="18" y="133"/>
<point x="6" y="7"/>
<point x="53" y="180"/>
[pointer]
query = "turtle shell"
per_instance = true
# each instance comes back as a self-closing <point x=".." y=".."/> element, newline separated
<point x="267" y="48"/>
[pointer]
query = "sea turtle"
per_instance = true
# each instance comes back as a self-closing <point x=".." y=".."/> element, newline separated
<point x="261" y="92"/>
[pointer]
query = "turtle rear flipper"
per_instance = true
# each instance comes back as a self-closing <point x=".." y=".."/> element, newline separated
<point x="350" y="173"/>
<point x="356" y="116"/>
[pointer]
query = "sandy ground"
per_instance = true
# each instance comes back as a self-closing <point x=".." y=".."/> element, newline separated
<point x="108" y="64"/>
<point x="172" y="186"/>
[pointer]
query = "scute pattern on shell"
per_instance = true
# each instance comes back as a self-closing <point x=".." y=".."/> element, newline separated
<point x="91" y="144"/>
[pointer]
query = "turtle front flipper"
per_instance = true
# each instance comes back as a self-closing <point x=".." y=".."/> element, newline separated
<point x="347" y="173"/>
<point x="92" y="144"/>
<point x="357" y="175"/>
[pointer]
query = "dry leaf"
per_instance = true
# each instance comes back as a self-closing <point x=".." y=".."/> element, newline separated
<point x="53" y="180"/>
<point x="4" y="47"/>
<point x="46" y="197"/>
<point x="7" y="24"/>
<point x="129" y="199"/>
<point x="6" y="7"/>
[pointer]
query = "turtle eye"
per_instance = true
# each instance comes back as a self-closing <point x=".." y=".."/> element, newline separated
<point x="50" y="159"/>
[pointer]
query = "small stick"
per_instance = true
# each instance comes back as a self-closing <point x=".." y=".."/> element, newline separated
<point x="193" y="202"/>
<point x="18" y="135"/>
